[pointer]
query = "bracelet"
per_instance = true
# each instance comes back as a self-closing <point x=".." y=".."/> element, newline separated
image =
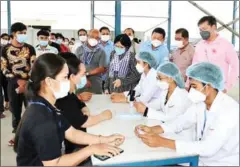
<point x="145" y="112"/>
<point x="99" y="136"/>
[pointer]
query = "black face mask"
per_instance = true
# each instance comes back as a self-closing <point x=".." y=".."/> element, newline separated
<point x="205" y="35"/>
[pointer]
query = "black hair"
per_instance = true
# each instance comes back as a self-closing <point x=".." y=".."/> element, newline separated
<point x="18" y="27"/>
<point x="72" y="61"/>
<point x="4" y="34"/>
<point x="159" y="31"/>
<point x="11" y="36"/>
<point x="210" y="19"/>
<point x="47" y="65"/>
<point x="43" y="32"/>
<point x="183" y="32"/>
<point x="82" y="29"/>
<point x="73" y="39"/>
<point x="59" y="35"/>
<point x="104" y="28"/>
<point x="124" y="40"/>
<point x="54" y="34"/>
<point x="129" y="29"/>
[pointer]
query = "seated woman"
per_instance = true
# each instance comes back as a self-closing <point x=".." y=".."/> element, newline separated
<point x="147" y="90"/>
<point x="122" y="74"/>
<point x="76" y="111"/>
<point x="173" y="100"/>
<point x="42" y="130"/>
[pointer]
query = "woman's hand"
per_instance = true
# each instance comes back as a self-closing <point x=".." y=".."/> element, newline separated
<point x="114" y="140"/>
<point x="143" y="128"/>
<point x="85" y="96"/>
<point x="107" y="115"/>
<point x="104" y="149"/>
<point x="117" y="83"/>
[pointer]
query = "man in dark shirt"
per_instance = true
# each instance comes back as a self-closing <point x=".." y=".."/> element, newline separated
<point x="16" y="62"/>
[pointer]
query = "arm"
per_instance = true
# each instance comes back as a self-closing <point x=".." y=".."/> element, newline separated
<point x="102" y="65"/>
<point x="133" y="76"/>
<point x="233" y="61"/>
<point x="5" y="64"/>
<point x="97" y="71"/>
<point x="96" y="119"/>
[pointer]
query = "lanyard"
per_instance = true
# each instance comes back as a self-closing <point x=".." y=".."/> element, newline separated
<point x="204" y="124"/>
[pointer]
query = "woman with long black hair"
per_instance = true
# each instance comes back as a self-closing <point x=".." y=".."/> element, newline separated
<point x="40" y="135"/>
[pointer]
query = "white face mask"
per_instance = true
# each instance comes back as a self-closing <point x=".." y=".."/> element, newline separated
<point x="83" y="38"/>
<point x="105" y="38"/>
<point x="4" y="42"/>
<point x="64" y="89"/>
<point x="179" y="44"/>
<point x="139" y="68"/>
<point x="163" y="85"/>
<point x="92" y="42"/>
<point x="156" y="43"/>
<point x="196" y="96"/>
<point x="131" y="37"/>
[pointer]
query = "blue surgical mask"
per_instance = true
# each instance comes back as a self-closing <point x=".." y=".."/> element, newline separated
<point x="21" y="38"/>
<point x="82" y="83"/>
<point x="119" y="51"/>
<point x="59" y="41"/>
<point x="43" y="43"/>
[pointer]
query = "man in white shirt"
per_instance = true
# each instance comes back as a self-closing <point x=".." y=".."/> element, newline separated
<point x="44" y="47"/>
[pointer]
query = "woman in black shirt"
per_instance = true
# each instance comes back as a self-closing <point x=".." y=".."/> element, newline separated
<point x="40" y="135"/>
<point x="75" y="111"/>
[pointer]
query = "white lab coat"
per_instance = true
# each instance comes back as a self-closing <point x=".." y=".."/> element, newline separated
<point x="177" y="104"/>
<point x="220" y="142"/>
<point x="147" y="90"/>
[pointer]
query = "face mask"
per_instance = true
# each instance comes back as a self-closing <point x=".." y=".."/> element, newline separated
<point x="196" y="96"/>
<point x="92" y="42"/>
<point x="205" y="35"/>
<point x="163" y="85"/>
<point x="82" y="83"/>
<point x="179" y="44"/>
<point x="131" y="37"/>
<point x="4" y="42"/>
<point x="139" y="68"/>
<point x="64" y="89"/>
<point x="43" y="43"/>
<point x="83" y="38"/>
<point x="59" y="41"/>
<point x="156" y="43"/>
<point x="105" y="38"/>
<point x="21" y="38"/>
<point x="119" y="51"/>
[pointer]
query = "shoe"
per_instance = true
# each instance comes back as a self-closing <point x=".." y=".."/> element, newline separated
<point x="11" y="143"/>
<point x="2" y="116"/>
<point x="14" y="130"/>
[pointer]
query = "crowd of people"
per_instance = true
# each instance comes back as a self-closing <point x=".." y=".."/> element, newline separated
<point x="184" y="91"/>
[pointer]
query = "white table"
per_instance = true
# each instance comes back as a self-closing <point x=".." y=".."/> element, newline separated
<point x="136" y="153"/>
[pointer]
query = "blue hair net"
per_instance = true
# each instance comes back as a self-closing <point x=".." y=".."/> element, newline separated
<point x="148" y="58"/>
<point x="207" y="73"/>
<point x="171" y="70"/>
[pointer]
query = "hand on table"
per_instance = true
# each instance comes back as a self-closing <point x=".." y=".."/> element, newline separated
<point x="153" y="140"/>
<point x="118" y="98"/>
<point x="117" y="83"/>
<point x="115" y="140"/>
<point x="140" y="107"/>
<point x="145" y="129"/>
<point x="107" y="114"/>
<point x="85" y="96"/>
<point x="104" y="149"/>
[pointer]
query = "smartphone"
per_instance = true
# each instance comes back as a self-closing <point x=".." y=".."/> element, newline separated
<point x="103" y="157"/>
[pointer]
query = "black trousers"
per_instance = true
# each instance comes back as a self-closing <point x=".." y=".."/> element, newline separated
<point x="5" y="88"/>
<point x="1" y="96"/>
<point x="16" y="102"/>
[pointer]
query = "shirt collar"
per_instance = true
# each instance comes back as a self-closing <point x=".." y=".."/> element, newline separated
<point x="44" y="101"/>
<point x="212" y="42"/>
<point x="38" y="47"/>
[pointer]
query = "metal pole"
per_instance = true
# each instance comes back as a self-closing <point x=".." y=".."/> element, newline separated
<point x="219" y="21"/>
<point x="9" y="15"/>
<point x="234" y="16"/>
<point x="117" y="18"/>
<point x="92" y="14"/>
<point x="169" y="23"/>
<point x="134" y="16"/>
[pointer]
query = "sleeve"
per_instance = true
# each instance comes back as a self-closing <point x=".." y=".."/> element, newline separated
<point x="183" y="122"/>
<point x="79" y="52"/>
<point x="233" y="61"/>
<point x="5" y="63"/>
<point x="46" y="141"/>
<point x="133" y="76"/>
<point x="214" y="140"/>
<point x="102" y="60"/>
